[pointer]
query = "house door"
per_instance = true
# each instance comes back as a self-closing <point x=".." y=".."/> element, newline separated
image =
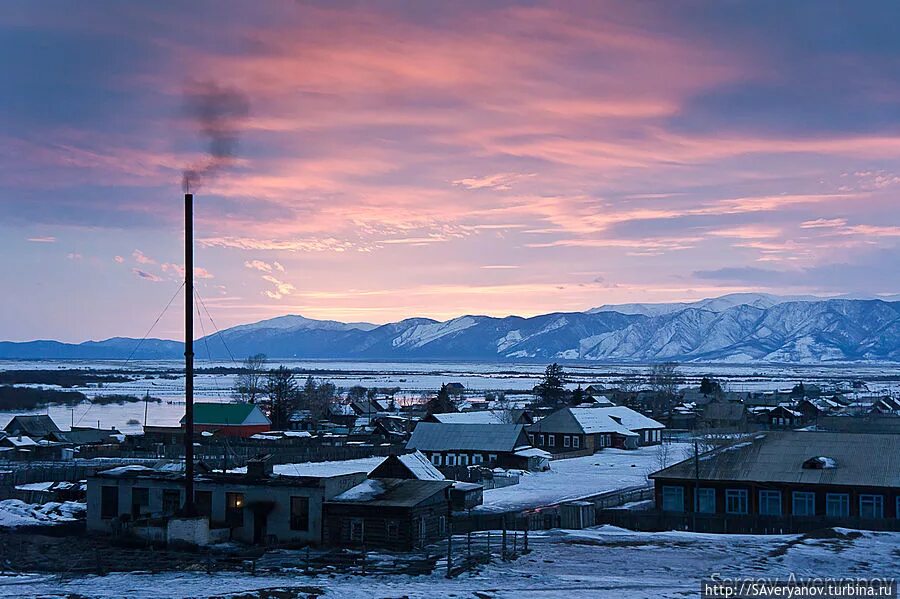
<point x="421" y="531"/>
<point x="259" y="527"/>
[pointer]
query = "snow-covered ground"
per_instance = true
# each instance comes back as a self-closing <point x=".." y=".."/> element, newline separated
<point x="412" y="378"/>
<point x="575" y="478"/>
<point x="15" y="513"/>
<point x="603" y="562"/>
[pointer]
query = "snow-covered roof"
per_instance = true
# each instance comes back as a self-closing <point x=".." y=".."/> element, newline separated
<point x="532" y="452"/>
<point x="420" y="467"/>
<point x="21" y="441"/>
<point x="475" y="417"/>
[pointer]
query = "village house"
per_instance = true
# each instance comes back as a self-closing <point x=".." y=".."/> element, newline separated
<point x="392" y="513"/>
<point x="816" y="479"/>
<point x="515" y="416"/>
<point x="724" y="415"/>
<point x="583" y="431"/>
<point x="37" y="427"/>
<point x="784" y="417"/>
<point x="491" y="445"/>
<point x="409" y="465"/>
<point x="229" y="419"/>
<point x="256" y="507"/>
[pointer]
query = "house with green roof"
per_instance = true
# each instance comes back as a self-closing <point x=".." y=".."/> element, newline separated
<point x="230" y="419"/>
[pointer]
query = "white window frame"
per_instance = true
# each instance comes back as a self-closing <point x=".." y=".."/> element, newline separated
<point x="492" y="458"/>
<point x="543" y="439"/>
<point x="463" y="459"/>
<point x="477" y="458"/>
<point x="451" y="459"/>
<point x="673" y="498"/>
<point x="436" y="459"/>
<point x="567" y="440"/>
<point x="551" y="440"/>
<point x="576" y="441"/>
<point x="741" y="496"/>
<point x="872" y="501"/>
<point x="709" y="495"/>
<point x="840" y="500"/>
<point x="767" y="501"/>
<point x="803" y="503"/>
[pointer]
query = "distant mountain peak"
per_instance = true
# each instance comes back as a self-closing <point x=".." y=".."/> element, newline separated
<point x="714" y="304"/>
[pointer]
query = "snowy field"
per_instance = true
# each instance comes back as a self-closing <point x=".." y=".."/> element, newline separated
<point x="412" y="378"/>
<point x="575" y="478"/>
<point x="602" y="562"/>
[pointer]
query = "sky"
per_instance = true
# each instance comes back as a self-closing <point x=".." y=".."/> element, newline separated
<point x="400" y="159"/>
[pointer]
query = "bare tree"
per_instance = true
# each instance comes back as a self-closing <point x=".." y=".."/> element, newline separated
<point x="663" y="380"/>
<point x="250" y="383"/>
<point x="504" y="408"/>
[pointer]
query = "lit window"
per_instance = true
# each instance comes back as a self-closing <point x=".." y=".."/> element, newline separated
<point x="804" y="503"/>
<point x="736" y="501"/>
<point x="234" y="509"/>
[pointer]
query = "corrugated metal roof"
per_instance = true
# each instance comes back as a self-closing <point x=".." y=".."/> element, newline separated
<point x="436" y="436"/>
<point x="232" y="414"/>
<point x="420" y="467"/>
<point x="868" y="460"/>
<point x="394" y="492"/>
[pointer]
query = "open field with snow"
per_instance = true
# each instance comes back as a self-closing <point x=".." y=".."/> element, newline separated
<point x="163" y="379"/>
<point x="603" y="562"/>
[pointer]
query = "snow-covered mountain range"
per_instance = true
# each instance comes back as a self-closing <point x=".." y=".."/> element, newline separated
<point x="739" y="328"/>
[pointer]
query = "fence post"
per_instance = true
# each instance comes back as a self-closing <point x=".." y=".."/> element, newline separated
<point x="503" y="540"/>
<point x="525" y="540"/>
<point x="489" y="544"/>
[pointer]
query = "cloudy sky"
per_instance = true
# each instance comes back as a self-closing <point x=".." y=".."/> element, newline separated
<point x="401" y="159"/>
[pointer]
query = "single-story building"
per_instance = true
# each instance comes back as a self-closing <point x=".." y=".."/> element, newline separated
<point x="38" y="426"/>
<point x="784" y="417"/>
<point x="392" y="513"/>
<point x="481" y="417"/>
<point x="724" y="415"/>
<point x="828" y="479"/>
<point x="235" y="419"/>
<point x="256" y="507"/>
<point x="452" y="445"/>
<point x="409" y="465"/>
<point x="587" y="430"/>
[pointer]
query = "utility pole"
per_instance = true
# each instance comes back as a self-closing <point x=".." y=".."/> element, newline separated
<point x="188" y="354"/>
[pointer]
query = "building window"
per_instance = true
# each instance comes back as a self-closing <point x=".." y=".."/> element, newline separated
<point x="770" y="503"/>
<point x="463" y="459"/>
<point x="442" y="526"/>
<point x="531" y="439"/>
<point x="673" y="498"/>
<point x="109" y="502"/>
<point x="551" y="440"/>
<point x="543" y="440"/>
<point x="171" y="501"/>
<point x="567" y="441"/>
<point x="837" y="505"/>
<point x="140" y="501"/>
<point x="477" y="458"/>
<point x="203" y="501"/>
<point x="735" y="501"/>
<point x="804" y="503"/>
<point x="576" y="441"/>
<point x="356" y="530"/>
<point x="451" y="459"/>
<point x="234" y="509"/>
<point x="299" y="513"/>
<point x="706" y="501"/>
<point x="492" y="458"/>
<point x="871" y="506"/>
<point x="393" y="530"/>
<point x="436" y="459"/>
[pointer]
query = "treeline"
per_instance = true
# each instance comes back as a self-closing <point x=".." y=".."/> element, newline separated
<point x="60" y="378"/>
<point x="30" y="398"/>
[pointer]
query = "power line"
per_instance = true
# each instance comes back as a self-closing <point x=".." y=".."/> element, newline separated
<point x="136" y="347"/>
<point x="218" y="332"/>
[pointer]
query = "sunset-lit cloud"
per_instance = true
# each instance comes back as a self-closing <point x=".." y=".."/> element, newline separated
<point x="448" y="158"/>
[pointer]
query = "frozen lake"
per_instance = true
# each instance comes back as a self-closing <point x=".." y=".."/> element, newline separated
<point x="163" y="379"/>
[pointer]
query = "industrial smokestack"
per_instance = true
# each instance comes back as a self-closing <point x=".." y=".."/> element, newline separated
<point x="188" y="508"/>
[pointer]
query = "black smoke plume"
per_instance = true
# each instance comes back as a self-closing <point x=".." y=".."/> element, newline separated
<point x="218" y="113"/>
